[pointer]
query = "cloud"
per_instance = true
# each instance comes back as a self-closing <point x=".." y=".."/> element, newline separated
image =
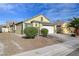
<point x="7" y="8"/>
<point x="52" y="11"/>
<point x="62" y="11"/>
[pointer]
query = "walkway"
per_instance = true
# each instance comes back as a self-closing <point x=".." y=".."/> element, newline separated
<point x="69" y="45"/>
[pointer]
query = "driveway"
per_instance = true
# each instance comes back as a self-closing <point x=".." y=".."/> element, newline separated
<point x="67" y="47"/>
<point x="11" y="44"/>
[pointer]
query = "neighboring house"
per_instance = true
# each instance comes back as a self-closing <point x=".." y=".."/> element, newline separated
<point x="4" y="29"/>
<point x="62" y="27"/>
<point x="39" y="22"/>
<point x="58" y="24"/>
<point x="65" y="28"/>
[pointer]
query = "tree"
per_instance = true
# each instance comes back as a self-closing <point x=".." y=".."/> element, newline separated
<point x="75" y="24"/>
<point x="9" y="23"/>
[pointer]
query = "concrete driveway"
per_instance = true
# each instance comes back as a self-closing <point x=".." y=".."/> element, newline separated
<point x="67" y="47"/>
<point x="11" y="44"/>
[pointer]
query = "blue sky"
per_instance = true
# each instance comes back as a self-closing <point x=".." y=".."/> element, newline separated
<point x="19" y="11"/>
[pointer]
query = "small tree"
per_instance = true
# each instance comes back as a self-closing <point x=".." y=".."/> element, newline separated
<point x="75" y="24"/>
<point x="30" y="32"/>
<point x="44" y="32"/>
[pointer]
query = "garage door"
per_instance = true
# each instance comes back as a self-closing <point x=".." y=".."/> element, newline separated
<point x="50" y="29"/>
<point x="19" y="28"/>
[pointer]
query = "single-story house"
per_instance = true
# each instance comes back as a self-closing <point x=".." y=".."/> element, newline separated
<point x="4" y="28"/>
<point x="39" y="22"/>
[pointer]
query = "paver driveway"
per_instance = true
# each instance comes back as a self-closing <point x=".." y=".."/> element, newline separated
<point x="13" y="44"/>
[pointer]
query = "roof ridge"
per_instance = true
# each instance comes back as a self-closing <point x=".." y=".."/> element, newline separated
<point x="34" y="17"/>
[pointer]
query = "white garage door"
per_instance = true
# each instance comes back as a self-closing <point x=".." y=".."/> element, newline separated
<point x="4" y="29"/>
<point x="50" y="29"/>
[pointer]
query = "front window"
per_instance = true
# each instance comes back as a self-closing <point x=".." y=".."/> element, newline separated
<point x="29" y="25"/>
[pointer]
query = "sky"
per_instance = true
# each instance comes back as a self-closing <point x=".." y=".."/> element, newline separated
<point x="20" y="11"/>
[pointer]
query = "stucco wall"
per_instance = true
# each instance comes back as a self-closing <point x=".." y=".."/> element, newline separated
<point x="19" y="28"/>
<point x="5" y="30"/>
<point x="38" y="18"/>
<point x="65" y="29"/>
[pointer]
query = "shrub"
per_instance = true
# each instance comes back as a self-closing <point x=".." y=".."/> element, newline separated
<point x="44" y="32"/>
<point x="30" y="32"/>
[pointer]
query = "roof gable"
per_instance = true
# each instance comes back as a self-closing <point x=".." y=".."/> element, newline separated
<point x="37" y="18"/>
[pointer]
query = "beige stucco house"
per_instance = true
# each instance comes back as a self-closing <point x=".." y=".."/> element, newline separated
<point x="39" y="22"/>
<point x="63" y="28"/>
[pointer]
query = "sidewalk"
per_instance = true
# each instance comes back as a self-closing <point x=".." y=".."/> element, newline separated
<point x="69" y="45"/>
<point x="62" y="37"/>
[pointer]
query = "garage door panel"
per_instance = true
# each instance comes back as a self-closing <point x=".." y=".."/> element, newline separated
<point x="50" y="29"/>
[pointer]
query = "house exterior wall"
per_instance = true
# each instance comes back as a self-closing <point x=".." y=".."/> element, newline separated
<point x="11" y="29"/>
<point x="5" y="30"/>
<point x="65" y="29"/>
<point x="51" y="29"/>
<point x="37" y="25"/>
<point x="38" y="18"/>
<point x="19" y="28"/>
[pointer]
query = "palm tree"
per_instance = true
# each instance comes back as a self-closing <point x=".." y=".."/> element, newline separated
<point x="75" y="24"/>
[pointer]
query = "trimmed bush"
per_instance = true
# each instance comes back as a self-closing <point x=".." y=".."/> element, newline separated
<point x="44" y="32"/>
<point x="30" y="32"/>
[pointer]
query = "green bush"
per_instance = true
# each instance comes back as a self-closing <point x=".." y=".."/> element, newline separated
<point x="30" y="32"/>
<point x="44" y="32"/>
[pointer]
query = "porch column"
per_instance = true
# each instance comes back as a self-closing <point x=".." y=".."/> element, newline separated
<point x="23" y="27"/>
<point x="55" y="29"/>
<point x="15" y="27"/>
